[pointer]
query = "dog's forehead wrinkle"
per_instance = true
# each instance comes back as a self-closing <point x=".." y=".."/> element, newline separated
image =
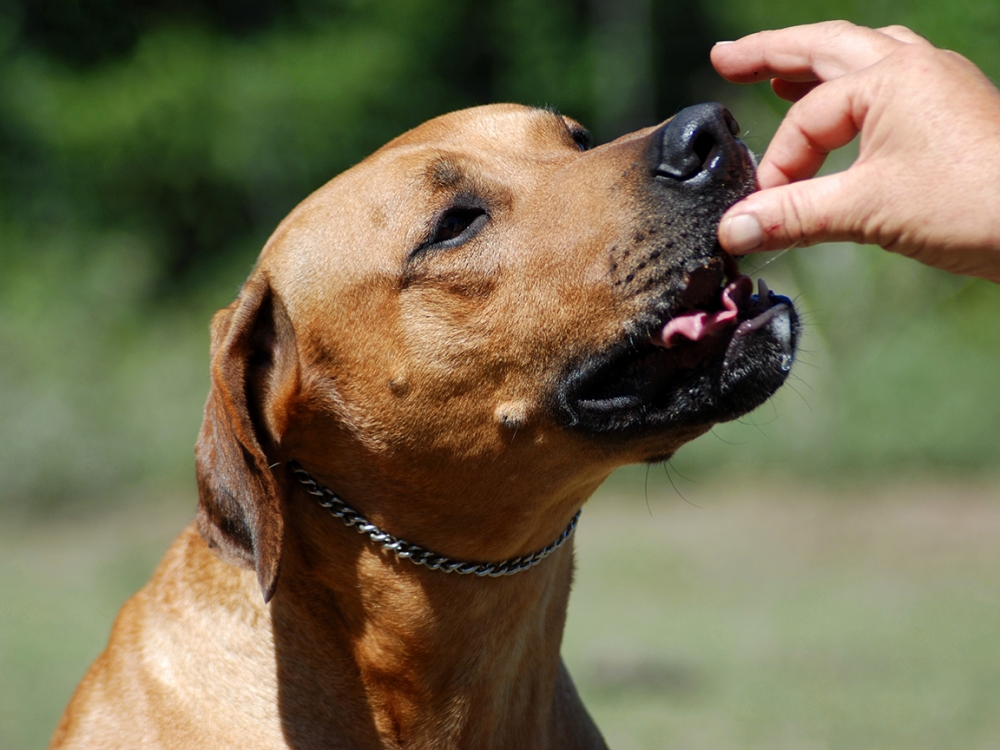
<point x="444" y="172"/>
<point x="481" y="190"/>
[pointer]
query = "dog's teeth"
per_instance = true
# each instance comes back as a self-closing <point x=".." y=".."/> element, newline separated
<point x="762" y="290"/>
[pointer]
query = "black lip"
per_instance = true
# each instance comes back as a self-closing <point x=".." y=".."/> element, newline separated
<point x="640" y="388"/>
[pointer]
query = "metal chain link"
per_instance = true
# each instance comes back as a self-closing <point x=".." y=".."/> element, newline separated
<point x="416" y="554"/>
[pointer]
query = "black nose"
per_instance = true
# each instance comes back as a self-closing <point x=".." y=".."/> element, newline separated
<point x="699" y="140"/>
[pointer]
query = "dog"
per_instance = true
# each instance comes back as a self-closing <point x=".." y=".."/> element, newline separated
<point x="437" y="359"/>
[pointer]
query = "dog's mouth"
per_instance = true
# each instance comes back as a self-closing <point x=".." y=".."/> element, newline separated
<point x="720" y="351"/>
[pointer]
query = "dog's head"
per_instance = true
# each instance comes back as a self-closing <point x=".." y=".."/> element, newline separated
<point x="486" y="317"/>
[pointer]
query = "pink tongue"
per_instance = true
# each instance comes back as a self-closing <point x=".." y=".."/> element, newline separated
<point x="695" y="326"/>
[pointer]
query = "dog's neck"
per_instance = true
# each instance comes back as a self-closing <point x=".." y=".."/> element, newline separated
<point x="416" y="554"/>
<point x="435" y="660"/>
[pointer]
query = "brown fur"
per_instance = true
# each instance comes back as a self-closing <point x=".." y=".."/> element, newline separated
<point x="419" y="389"/>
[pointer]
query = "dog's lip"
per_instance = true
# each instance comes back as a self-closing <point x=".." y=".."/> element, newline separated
<point x="707" y="332"/>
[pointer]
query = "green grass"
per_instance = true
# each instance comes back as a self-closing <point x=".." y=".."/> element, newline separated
<point x="791" y="618"/>
<point x="759" y="616"/>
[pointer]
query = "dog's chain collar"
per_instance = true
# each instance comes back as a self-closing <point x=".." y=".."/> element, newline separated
<point x="416" y="554"/>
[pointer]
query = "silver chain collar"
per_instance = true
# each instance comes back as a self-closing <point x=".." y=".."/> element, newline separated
<point x="416" y="554"/>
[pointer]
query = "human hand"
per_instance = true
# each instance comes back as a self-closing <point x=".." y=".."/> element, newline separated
<point x="926" y="182"/>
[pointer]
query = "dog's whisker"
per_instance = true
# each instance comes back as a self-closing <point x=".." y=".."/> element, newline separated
<point x="681" y="474"/>
<point x="804" y="399"/>
<point x="804" y="382"/>
<point x="727" y="442"/>
<point x="646" y="491"/>
<point x="666" y="468"/>
<point x="770" y="260"/>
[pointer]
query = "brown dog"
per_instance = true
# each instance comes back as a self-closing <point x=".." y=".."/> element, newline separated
<point x="462" y="336"/>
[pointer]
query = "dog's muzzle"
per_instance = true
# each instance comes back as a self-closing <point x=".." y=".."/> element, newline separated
<point x="700" y="347"/>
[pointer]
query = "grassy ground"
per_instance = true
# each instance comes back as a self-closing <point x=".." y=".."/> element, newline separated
<point x="786" y="618"/>
<point x="751" y="617"/>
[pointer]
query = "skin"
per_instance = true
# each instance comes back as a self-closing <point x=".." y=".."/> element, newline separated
<point x="926" y="183"/>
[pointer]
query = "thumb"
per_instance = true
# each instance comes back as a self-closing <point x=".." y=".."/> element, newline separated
<point x="823" y="209"/>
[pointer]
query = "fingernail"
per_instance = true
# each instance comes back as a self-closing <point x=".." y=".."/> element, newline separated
<point x="744" y="233"/>
<point x="718" y="43"/>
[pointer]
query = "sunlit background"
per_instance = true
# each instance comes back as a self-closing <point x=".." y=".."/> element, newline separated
<point x="824" y="573"/>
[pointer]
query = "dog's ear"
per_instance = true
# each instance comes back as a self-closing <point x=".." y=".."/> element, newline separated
<point x="254" y="370"/>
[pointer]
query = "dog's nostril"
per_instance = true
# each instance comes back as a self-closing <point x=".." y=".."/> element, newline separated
<point x="704" y="145"/>
<point x="698" y="139"/>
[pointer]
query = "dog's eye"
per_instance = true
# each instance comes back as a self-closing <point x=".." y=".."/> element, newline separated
<point x="454" y="227"/>
<point x="458" y="224"/>
<point x="582" y="139"/>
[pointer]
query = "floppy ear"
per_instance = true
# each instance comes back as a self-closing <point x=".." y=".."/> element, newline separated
<point x="254" y="369"/>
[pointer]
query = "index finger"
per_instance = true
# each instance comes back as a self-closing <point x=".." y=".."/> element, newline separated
<point x="816" y="52"/>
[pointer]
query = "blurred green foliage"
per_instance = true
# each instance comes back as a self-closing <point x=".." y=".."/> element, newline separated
<point x="147" y="148"/>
